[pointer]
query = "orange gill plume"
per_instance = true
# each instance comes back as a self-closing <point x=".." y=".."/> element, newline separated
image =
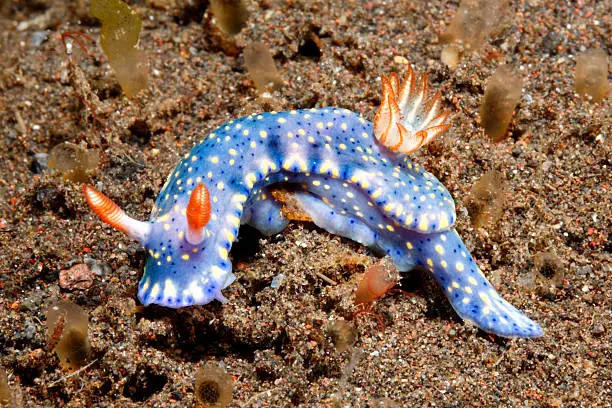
<point x="409" y="115"/>
<point x="113" y="215"/>
<point x="198" y="214"/>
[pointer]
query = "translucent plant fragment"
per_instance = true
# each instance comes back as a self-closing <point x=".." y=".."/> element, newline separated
<point x="67" y="333"/>
<point x="74" y="162"/>
<point x="119" y="40"/>
<point x="592" y="74"/>
<point x="549" y="267"/>
<point x="214" y="386"/>
<point x="343" y="334"/>
<point x="230" y="15"/>
<point x="501" y="96"/>
<point x="474" y="22"/>
<point x="5" y="391"/>
<point x="486" y="199"/>
<point x="450" y="55"/>
<point x="261" y="67"/>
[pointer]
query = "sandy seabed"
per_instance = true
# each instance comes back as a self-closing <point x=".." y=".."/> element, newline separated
<point x="276" y="342"/>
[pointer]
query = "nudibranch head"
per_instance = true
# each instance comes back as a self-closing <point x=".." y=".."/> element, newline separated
<point x="178" y="245"/>
<point x="409" y="115"/>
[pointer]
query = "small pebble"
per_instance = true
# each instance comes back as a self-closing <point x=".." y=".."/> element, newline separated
<point x="97" y="267"/>
<point x="598" y="329"/>
<point x="277" y="281"/>
<point x="40" y="163"/>
<point x="78" y="277"/>
<point x="39" y="37"/>
<point x="516" y="152"/>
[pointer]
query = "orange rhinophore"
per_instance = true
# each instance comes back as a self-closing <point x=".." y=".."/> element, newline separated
<point x="198" y="213"/>
<point x="113" y="215"/>
<point x="409" y="116"/>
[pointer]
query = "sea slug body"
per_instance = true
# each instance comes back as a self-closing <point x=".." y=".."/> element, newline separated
<point x="351" y="176"/>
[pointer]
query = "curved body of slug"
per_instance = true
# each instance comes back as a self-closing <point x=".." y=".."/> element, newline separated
<point x="330" y="153"/>
<point x="346" y="181"/>
<point x="349" y="175"/>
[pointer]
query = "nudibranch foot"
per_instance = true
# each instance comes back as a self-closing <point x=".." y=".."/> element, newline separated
<point x="468" y="290"/>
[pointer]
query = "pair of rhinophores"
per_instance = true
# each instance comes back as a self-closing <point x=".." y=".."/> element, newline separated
<point x="352" y="177"/>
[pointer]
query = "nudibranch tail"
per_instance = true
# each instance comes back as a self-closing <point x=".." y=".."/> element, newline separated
<point x="198" y="214"/>
<point x="468" y="290"/>
<point x="113" y="215"/>
<point x="409" y="116"/>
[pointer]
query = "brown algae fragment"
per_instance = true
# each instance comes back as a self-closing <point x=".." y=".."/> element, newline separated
<point x="261" y="67"/>
<point x="474" y="22"/>
<point x="119" y="39"/>
<point x="486" y="199"/>
<point x="550" y="268"/>
<point x="74" y="162"/>
<point x="502" y="94"/>
<point x="5" y="391"/>
<point x="592" y="74"/>
<point x="450" y="55"/>
<point x="213" y="387"/>
<point x="67" y="332"/>
<point x="343" y="334"/>
<point x="230" y="15"/>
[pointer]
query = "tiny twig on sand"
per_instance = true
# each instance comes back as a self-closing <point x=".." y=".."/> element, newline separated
<point x="72" y="374"/>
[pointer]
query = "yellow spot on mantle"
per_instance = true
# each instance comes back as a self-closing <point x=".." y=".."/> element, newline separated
<point x="154" y="290"/>
<point x="423" y="224"/>
<point x="443" y="220"/>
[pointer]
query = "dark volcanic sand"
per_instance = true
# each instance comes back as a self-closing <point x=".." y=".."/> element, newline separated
<point x="274" y="342"/>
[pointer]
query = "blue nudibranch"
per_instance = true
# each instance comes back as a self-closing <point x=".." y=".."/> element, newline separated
<point x="351" y="176"/>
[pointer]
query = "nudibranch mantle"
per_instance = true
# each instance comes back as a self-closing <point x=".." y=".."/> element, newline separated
<point x="348" y="174"/>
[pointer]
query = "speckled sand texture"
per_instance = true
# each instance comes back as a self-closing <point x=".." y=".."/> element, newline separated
<point x="275" y="341"/>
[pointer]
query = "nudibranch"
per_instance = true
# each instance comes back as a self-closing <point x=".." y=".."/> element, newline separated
<point x="351" y="176"/>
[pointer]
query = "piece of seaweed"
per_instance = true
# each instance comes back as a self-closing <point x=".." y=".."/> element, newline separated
<point x="119" y="38"/>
